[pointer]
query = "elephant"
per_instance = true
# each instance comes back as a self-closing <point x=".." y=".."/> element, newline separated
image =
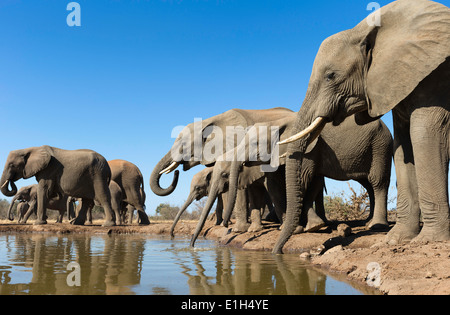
<point x="252" y="197"/>
<point x="22" y="209"/>
<point x="199" y="188"/>
<point x="367" y="162"/>
<point x="116" y="202"/>
<point x="197" y="137"/>
<point x="29" y="195"/>
<point x="131" y="182"/>
<point x="402" y="64"/>
<point x="79" y="173"/>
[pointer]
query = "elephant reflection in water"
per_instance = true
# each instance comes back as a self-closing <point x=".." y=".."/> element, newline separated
<point x="108" y="265"/>
<point x="242" y="272"/>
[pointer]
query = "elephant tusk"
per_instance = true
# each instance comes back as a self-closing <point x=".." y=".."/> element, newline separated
<point x="283" y="155"/>
<point x="5" y="184"/>
<point x="169" y="169"/>
<point x="318" y="123"/>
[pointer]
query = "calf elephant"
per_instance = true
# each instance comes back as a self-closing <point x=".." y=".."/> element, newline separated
<point x="22" y="208"/>
<point x="188" y="149"/>
<point x="131" y="183"/>
<point x="79" y="173"/>
<point x="199" y="188"/>
<point x="29" y="195"/>
<point x="402" y="65"/>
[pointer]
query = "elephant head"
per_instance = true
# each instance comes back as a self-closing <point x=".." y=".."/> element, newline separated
<point x="367" y="70"/>
<point x="203" y="141"/>
<point x="26" y="193"/>
<point x="24" y="164"/>
<point x="199" y="188"/>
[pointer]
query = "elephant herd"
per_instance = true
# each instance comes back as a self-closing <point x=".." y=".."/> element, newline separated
<point x="277" y="159"/>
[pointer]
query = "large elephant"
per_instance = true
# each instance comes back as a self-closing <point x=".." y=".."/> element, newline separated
<point x="29" y="194"/>
<point x="79" y="173"/>
<point x="401" y="65"/>
<point x="345" y="152"/>
<point x="195" y="137"/>
<point x="130" y="180"/>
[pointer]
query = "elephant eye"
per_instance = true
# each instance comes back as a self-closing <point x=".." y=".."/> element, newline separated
<point x="330" y="76"/>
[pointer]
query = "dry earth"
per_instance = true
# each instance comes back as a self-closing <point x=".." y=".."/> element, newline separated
<point x="362" y="255"/>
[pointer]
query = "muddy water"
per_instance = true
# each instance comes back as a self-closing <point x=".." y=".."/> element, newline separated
<point x="120" y="264"/>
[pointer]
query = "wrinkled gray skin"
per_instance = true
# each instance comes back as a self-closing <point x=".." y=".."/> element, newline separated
<point x="129" y="178"/>
<point x="404" y="66"/>
<point x="231" y="118"/>
<point x="22" y="208"/>
<point x="200" y="185"/>
<point x="252" y="193"/>
<point x="116" y="202"/>
<point x="79" y="173"/>
<point x="29" y="194"/>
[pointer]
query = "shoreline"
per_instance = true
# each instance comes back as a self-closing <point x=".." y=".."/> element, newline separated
<point x="412" y="268"/>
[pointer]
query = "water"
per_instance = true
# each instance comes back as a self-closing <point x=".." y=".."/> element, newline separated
<point x="130" y="264"/>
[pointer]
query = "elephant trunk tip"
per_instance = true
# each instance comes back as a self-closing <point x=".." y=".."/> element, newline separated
<point x="5" y="188"/>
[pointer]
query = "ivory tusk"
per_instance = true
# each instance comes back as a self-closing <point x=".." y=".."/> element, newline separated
<point x="5" y="184"/>
<point x="316" y="124"/>
<point x="283" y="155"/>
<point x="170" y="168"/>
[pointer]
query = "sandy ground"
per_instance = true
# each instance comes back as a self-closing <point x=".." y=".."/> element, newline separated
<point x="361" y="255"/>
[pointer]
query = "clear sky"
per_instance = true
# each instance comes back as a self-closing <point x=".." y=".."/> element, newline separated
<point x="135" y="69"/>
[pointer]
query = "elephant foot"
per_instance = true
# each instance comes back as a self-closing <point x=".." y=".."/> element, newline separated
<point x="240" y="227"/>
<point x="109" y="223"/>
<point x="143" y="219"/>
<point x="77" y="221"/>
<point x="314" y="222"/>
<point x="255" y="228"/>
<point x="400" y="233"/>
<point x="299" y="230"/>
<point x="40" y="222"/>
<point x="432" y="234"/>
<point x="377" y="225"/>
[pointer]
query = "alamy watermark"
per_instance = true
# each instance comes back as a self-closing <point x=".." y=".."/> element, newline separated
<point x="374" y="19"/>
<point x="74" y="277"/>
<point x="74" y="17"/>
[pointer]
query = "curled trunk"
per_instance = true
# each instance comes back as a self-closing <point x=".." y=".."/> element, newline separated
<point x="163" y="164"/>
<point x="5" y="188"/>
<point x="188" y="202"/>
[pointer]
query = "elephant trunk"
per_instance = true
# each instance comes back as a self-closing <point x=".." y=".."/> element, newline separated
<point x="6" y="180"/>
<point x="232" y="191"/>
<point x="295" y="188"/>
<point x="201" y="222"/>
<point x="165" y="165"/>
<point x="188" y="202"/>
<point x="10" y="215"/>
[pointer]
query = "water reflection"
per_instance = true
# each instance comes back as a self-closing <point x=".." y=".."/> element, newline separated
<point x="36" y="264"/>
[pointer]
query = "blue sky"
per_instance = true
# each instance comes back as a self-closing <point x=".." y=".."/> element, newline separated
<point x="135" y="69"/>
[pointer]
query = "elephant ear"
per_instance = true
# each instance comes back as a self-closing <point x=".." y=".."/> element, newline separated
<point x="249" y="175"/>
<point x="412" y="40"/>
<point x="35" y="161"/>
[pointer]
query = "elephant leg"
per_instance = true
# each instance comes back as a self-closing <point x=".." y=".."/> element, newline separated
<point x="84" y="207"/>
<point x="41" y="205"/>
<point x="276" y="188"/>
<point x="315" y="218"/>
<point x="408" y="212"/>
<point x="103" y="196"/>
<point x="240" y="210"/>
<point x="60" y="217"/>
<point x="31" y="209"/>
<point x="431" y="156"/>
<point x="219" y="209"/>
<point x="256" y="206"/>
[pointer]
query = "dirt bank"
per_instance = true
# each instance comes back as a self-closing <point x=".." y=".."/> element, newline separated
<point x="400" y="269"/>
